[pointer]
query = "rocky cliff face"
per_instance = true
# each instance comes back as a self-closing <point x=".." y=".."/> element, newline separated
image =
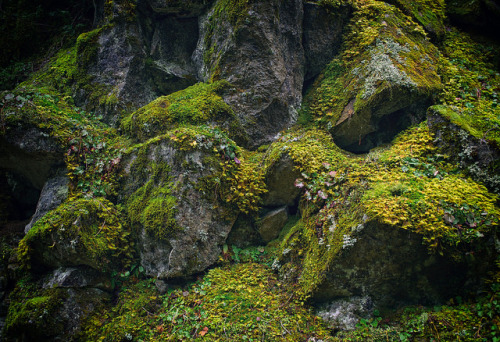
<point x="351" y="147"/>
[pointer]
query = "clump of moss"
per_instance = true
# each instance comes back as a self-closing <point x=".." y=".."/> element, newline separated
<point x="471" y="85"/>
<point x="79" y="231"/>
<point x="406" y="185"/>
<point x="198" y="104"/>
<point x="430" y="14"/>
<point x="242" y="302"/>
<point x="93" y="149"/>
<point x="152" y="206"/>
<point x="33" y="312"/>
<point x="446" y="209"/>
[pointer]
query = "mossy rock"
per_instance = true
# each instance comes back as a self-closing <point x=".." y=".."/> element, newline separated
<point x="195" y="105"/>
<point x="49" y="314"/>
<point x="405" y="193"/>
<point x="382" y="82"/>
<point x="34" y="317"/>
<point x="79" y="232"/>
<point x="178" y="198"/>
<point x="182" y="8"/>
<point x="430" y="14"/>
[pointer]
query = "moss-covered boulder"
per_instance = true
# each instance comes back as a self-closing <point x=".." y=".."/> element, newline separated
<point x="183" y="191"/>
<point x="398" y="217"/>
<point x="53" y="314"/>
<point x="79" y="232"/>
<point x="382" y="82"/>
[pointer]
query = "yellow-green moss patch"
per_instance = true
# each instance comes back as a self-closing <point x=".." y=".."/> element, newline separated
<point x="82" y="231"/>
<point x="198" y="104"/>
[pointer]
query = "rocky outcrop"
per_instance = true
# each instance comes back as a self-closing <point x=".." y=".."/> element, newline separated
<point x="323" y="30"/>
<point x="53" y="193"/>
<point x="257" y="47"/>
<point x="393" y="268"/>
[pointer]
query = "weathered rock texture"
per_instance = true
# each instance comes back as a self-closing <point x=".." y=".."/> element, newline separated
<point x="259" y="50"/>
<point x="393" y="267"/>
<point x="382" y="84"/>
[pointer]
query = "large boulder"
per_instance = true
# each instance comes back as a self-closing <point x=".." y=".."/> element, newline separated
<point x="170" y="188"/>
<point x="257" y="47"/>
<point x="395" y="226"/>
<point x="79" y="232"/>
<point x="382" y="82"/>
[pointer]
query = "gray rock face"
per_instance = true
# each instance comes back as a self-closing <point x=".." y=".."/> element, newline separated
<point x="203" y="225"/>
<point x="344" y="314"/>
<point x="181" y="8"/>
<point x="54" y="192"/>
<point x="270" y="225"/>
<point x="136" y="61"/>
<point x="72" y="277"/>
<point x="32" y="153"/>
<point x="261" y="53"/>
<point x="244" y="233"/>
<point x="78" y="303"/>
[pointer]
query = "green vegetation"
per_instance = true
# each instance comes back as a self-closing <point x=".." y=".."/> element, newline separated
<point x="93" y="148"/>
<point x="383" y="48"/>
<point x="32" y="311"/>
<point x="93" y="227"/>
<point x="429" y="13"/>
<point x="152" y="206"/>
<point x="195" y="105"/>
<point x="243" y="302"/>
<point x="225" y="12"/>
<point x="471" y="85"/>
<point x="407" y="185"/>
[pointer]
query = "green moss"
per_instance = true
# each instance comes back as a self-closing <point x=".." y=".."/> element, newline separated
<point x="152" y="206"/>
<point x="405" y="185"/>
<point x="90" y="227"/>
<point x="198" y="104"/>
<point x="33" y="312"/>
<point x="471" y="85"/>
<point x="93" y="148"/>
<point x="429" y="13"/>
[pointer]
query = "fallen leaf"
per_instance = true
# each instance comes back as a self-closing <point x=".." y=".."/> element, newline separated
<point x="203" y="331"/>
